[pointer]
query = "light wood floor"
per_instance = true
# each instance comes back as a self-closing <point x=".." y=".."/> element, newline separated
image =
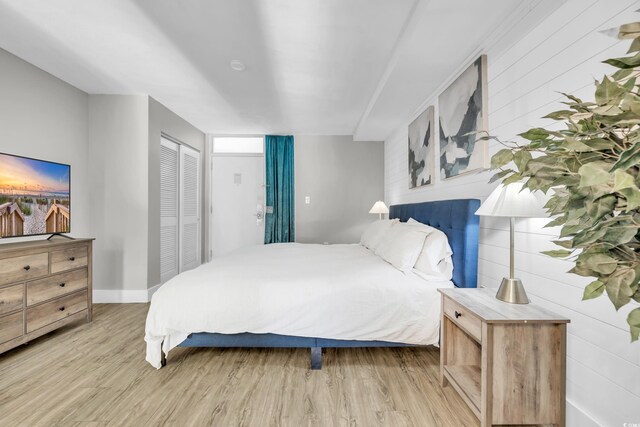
<point x="95" y="374"/>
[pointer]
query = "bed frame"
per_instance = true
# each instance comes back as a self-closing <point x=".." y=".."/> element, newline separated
<point x="456" y="218"/>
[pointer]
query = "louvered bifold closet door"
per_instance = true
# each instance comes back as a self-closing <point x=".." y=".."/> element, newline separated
<point x="169" y="166"/>
<point x="189" y="208"/>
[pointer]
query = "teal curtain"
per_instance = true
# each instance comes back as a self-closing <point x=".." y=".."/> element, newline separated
<point x="279" y="223"/>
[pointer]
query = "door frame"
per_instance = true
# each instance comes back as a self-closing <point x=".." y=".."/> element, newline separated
<point x="209" y="178"/>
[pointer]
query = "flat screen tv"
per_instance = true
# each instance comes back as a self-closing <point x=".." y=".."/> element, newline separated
<point x="34" y="196"/>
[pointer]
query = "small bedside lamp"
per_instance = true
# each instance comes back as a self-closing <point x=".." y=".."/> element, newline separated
<point x="379" y="208"/>
<point x="514" y="202"/>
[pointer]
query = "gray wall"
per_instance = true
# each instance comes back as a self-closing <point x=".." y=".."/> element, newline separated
<point x="118" y="157"/>
<point x="344" y="178"/>
<point x="43" y="117"/>
<point x="164" y="121"/>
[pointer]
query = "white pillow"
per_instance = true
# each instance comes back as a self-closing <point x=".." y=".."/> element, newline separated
<point x="434" y="262"/>
<point x="401" y="245"/>
<point x="373" y="233"/>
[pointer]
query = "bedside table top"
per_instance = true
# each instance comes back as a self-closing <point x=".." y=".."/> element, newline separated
<point x="483" y="303"/>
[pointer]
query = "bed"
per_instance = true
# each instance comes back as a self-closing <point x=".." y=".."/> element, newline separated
<point x="312" y="296"/>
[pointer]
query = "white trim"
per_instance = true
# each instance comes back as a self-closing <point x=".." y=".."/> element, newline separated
<point x="120" y="296"/>
<point x="117" y="296"/>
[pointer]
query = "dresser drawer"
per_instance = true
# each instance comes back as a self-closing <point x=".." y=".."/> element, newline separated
<point x="68" y="259"/>
<point x="56" y="286"/>
<point x="464" y="318"/>
<point x="11" y="327"/>
<point x="49" y="312"/>
<point x="21" y="268"/>
<point x="11" y="299"/>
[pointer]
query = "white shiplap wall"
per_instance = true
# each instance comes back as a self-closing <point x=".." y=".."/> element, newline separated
<point x="563" y="53"/>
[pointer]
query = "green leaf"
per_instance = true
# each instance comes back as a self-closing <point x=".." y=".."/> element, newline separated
<point x="629" y="158"/>
<point x="500" y="175"/>
<point x="621" y="233"/>
<point x="573" y="144"/>
<point x="598" y="262"/>
<point x="608" y="90"/>
<point x="564" y="243"/>
<point x="513" y="178"/>
<point x="632" y="196"/>
<point x="594" y="173"/>
<point x="501" y="158"/>
<point x="601" y="206"/>
<point x="534" y="134"/>
<point x="557" y="253"/>
<point x="521" y="158"/>
<point x="621" y="180"/>
<point x="556" y="221"/>
<point x="634" y="323"/>
<point x="619" y="287"/>
<point x="559" y="115"/>
<point x="593" y="290"/>
<point x="635" y="46"/>
<point x="626" y="62"/>
<point x="621" y="74"/>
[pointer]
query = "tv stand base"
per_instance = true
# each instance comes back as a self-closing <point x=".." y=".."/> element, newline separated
<point x="61" y="235"/>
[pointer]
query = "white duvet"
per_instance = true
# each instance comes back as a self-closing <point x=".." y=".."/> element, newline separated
<point x="325" y="291"/>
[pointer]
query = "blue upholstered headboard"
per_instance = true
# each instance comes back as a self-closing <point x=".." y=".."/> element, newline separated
<point x="457" y="219"/>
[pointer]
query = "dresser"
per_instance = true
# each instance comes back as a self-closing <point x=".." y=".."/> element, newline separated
<point x="44" y="285"/>
<point x="507" y="361"/>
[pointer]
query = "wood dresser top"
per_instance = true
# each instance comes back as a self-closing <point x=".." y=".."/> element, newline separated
<point x="43" y="244"/>
<point x="483" y="303"/>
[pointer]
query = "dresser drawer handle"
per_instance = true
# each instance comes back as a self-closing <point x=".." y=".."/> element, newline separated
<point x="72" y="258"/>
<point x="457" y="314"/>
<point x="27" y="267"/>
<point x="61" y="308"/>
<point x="62" y="285"/>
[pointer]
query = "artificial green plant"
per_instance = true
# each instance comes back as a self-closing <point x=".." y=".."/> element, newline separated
<point x="591" y="171"/>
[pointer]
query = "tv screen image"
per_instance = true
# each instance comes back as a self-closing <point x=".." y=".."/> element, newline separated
<point x="34" y="196"/>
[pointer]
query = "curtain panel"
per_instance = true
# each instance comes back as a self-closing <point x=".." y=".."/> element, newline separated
<point x="279" y="224"/>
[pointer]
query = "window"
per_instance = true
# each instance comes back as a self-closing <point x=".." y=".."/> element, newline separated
<point x="238" y="145"/>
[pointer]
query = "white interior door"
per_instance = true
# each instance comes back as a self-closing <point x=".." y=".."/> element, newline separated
<point x="237" y="195"/>
<point x="169" y="165"/>
<point x="189" y="208"/>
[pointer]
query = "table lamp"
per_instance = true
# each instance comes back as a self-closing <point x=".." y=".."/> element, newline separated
<point x="379" y="208"/>
<point x="513" y="201"/>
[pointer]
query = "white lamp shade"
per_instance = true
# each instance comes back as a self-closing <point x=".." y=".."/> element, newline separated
<point x="379" y="208"/>
<point x="514" y="201"/>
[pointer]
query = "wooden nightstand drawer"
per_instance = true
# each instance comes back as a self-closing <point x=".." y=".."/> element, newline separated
<point x="464" y="318"/>
<point x="20" y="268"/>
<point x="11" y="326"/>
<point x="49" y="312"/>
<point x="68" y="259"/>
<point x="11" y="299"/>
<point x="56" y="286"/>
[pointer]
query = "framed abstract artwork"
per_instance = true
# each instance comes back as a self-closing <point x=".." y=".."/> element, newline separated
<point x="462" y="112"/>
<point x="421" y="151"/>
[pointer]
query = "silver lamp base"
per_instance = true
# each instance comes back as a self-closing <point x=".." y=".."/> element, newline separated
<point x="512" y="291"/>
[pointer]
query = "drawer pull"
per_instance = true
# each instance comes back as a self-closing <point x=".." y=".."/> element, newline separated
<point x="457" y="314"/>
<point x="27" y="267"/>
<point x="72" y="258"/>
<point x="62" y="285"/>
<point x="61" y="308"/>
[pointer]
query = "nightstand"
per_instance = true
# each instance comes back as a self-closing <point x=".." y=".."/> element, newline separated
<point x="507" y="361"/>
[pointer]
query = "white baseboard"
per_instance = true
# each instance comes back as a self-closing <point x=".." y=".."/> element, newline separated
<point x="119" y="296"/>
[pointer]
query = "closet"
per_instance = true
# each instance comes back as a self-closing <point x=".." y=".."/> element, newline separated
<point x="179" y="208"/>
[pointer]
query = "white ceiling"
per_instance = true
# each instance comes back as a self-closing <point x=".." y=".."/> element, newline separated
<point x="346" y="67"/>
